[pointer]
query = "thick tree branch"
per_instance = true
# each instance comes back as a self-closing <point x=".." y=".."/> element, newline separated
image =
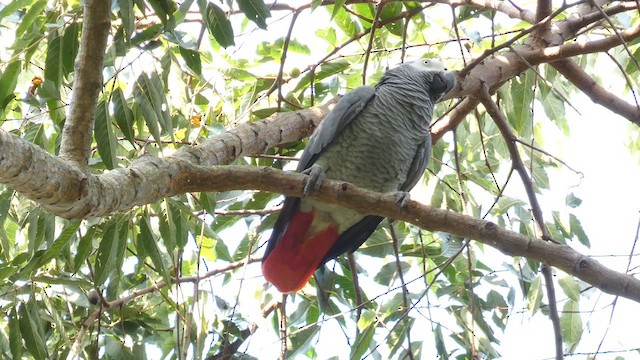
<point x="549" y="54"/>
<point x="68" y="192"/>
<point x="224" y="178"/>
<point x="55" y="184"/>
<point x="574" y="73"/>
<point x="496" y="71"/>
<point x="454" y="118"/>
<point x="78" y="127"/>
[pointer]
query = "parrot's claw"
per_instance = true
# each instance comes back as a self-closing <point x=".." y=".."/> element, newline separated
<point x="315" y="179"/>
<point x="402" y="198"/>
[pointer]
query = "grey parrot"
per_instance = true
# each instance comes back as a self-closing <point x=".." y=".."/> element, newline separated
<point x="376" y="138"/>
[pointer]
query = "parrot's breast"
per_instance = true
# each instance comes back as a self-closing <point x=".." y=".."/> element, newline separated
<point x="376" y="150"/>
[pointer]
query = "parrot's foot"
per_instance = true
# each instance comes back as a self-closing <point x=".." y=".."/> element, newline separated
<point x="315" y="179"/>
<point x="402" y="198"/>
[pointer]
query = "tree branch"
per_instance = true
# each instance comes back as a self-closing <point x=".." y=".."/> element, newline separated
<point x="510" y="139"/>
<point x="67" y="192"/>
<point x="224" y="178"/>
<point x="78" y="127"/>
<point x="574" y="73"/>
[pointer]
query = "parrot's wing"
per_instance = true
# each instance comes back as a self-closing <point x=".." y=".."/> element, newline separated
<point x="342" y="114"/>
<point x="418" y="165"/>
<point x="353" y="237"/>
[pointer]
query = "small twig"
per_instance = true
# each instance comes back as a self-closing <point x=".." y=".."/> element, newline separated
<point x="283" y="327"/>
<point x="372" y="32"/>
<point x="405" y="291"/>
<point x="509" y="42"/>
<point x="472" y="305"/>
<point x="542" y="151"/>
<point x="505" y="130"/>
<point x="356" y="286"/>
<point x="285" y="48"/>
<point x="457" y="31"/>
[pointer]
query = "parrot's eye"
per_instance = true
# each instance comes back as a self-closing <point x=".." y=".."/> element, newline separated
<point x="426" y="62"/>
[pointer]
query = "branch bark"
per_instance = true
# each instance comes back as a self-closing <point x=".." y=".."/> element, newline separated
<point x="574" y="73"/>
<point x="224" y="178"/>
<point x="78" y="127"/>
<point x="66" y="191"/>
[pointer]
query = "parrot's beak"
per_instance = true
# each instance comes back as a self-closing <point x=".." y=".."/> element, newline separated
<point x="443" y="83"/>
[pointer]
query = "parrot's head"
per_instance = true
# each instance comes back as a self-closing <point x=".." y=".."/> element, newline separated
<point x="439" y="79"/>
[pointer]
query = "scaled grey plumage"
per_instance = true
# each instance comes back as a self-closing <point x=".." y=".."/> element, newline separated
<point x="376" y="138"/>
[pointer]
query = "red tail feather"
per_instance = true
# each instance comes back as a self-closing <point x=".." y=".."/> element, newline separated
<point x="298" y="254"/>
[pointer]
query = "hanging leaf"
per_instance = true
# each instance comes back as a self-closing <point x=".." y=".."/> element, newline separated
<point x="151" y="247"/>
<point x="216" y="21"/>
<point x="31" y="330"/>
<point x="8" y="82"/>
<point x="256" y="11"/>
<point x="106" y="257"/>
<point x="105" y="138"/>
<point x="571" y="324"/>
<point x="192" y="59"/>
<point x="70" y="46"/>
<point x="123" y="114"/>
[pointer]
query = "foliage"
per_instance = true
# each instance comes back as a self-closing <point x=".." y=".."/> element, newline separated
<point x="177" y="73"/>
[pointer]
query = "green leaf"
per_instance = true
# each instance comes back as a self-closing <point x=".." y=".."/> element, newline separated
<point x="55" y="249"/>
<point x="572" y="200"/>
<point x="570" y="287"/>
<point x="30" y="16"/>
<point x="256" y="11"/>
<point x="85" y="246"/>
<point x="180" y="14"/>
<point x="577" y="230"/>
<point x="106" y="256"/>
<point x="49" y="91"/>
<point x="571" y="324"/>
<point x="127" y="17"/>
<point x="105" y="139"/>
<point x="143" y="101"/>
<point x="15" y="336"/>
<point x="363" y="341"/>
<point x="337" y="7"/>
<point x="31" y="330"/>
<point x="389" y="272"/>
<point x="192" y="59"/>
<point x="157" y="95"/>
<point x="216" y="21"/>
<point x="553" y="107"/>
<point x="70" y="47"/>
<point x="11" y="7"/>
<point x="397" y="337"/>
<point x="440" y="345"/>
<point x="557" y="220"/>
<point x="148" y="34"/>
<point x="534" y="296"/>
<point x="123" y="114"/>
<point x="392" y="10"/>
<point x="344" y="20"/>
<point x="326" y="70"/>
<point x="522" y="102"/>
<point x="151" y="247"/>
<point x="164" y="10"/>
<point x="8" y="82"/>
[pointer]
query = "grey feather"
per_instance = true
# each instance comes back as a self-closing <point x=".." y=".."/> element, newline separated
<point x="342" y="114"/>
<point x="377" y="138"/>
